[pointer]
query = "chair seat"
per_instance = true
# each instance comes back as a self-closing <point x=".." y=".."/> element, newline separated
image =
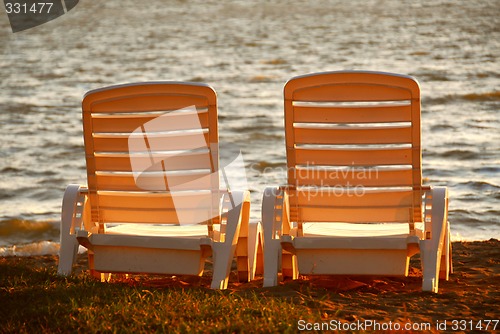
<point x="353" y="236"/>
<point x="394" y="230"/>
<point x="187" y="231"/>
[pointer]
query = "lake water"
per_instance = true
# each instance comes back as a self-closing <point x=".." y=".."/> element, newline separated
<point x="247" y="50"/>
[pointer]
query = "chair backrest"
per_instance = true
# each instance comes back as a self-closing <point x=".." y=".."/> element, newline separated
<point x="353" y="147"/>
<point x="152" y="153"/>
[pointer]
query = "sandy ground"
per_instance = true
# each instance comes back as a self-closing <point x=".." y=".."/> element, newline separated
<point x="469" y="298"/>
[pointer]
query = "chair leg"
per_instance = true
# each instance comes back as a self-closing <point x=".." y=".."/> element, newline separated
<point x="102" y="277"/>
<point x="450" y="249"/>
<point x="67" y="254"/>
<point x="289" y="266"/>
<point x="223" y="252"/>
<point x="69" y="244"/>
<point x="434" y="248"/>
<point x="272" y="257"/>
<point x="222" y="260"/>
<point x="431" y="261"/>
<point x="259" y="260"/>
<point x="243" y="254"/>
<point x="446" y="262"/>
<point x="255" y="249"/>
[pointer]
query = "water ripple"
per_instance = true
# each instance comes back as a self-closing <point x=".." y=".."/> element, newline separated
<point x="247" y="52"/>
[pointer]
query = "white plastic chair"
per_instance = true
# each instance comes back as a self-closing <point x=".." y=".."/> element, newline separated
<point x="153" y="203"/>
<point x="354" y="203"/>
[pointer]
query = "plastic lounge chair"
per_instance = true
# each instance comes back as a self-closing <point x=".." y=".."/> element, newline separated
<point x="354" y="203"/>
<point x="153" y="202"/>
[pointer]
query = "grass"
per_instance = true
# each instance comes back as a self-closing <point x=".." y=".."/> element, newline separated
<point x="34" y="299"/>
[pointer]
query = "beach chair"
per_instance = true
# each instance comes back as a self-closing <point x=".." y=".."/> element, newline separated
<point x="354" y="203"/>
<point x="153" y="203"/>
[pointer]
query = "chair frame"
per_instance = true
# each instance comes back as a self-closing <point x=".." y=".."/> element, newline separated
<point x="288" y="250"/>
<point x="227" y="234"/>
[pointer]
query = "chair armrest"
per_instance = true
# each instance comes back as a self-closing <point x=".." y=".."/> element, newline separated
<point x="435" y="211"/>
<point x="436" y="230"/>
<point x="73" y="207"/>
<point x="275" y="213"/>
<point x="277" y="227"/>
<point x="236" y="212"/>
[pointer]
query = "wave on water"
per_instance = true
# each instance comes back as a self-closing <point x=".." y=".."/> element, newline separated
<point x="18" y="231"/>
<point x="430" y="75"/>
<point x="247" y="53"/>
<point x="29" y="238"/>
<point x="479" y="186"/>
<point x="441" y="127"/>
<point x="265" y="136"/>
<point x="459" y="154"/>
<point x="489" y="96"/>
<point x="262" y="166"/>
<point x="492" y="96"/>
<point x="33" y="249"/>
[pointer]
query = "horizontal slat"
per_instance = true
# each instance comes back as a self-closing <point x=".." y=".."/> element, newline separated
<point x="353" y="135"/>
<point x="354" y="198"/>
<point x="350" y="215"/>
<point x="149" y="216"/>
<point x="179" y="201"/>
<point x="351" y="92"/>
<point x="368" y="177"/>
<point x="151" y="122"/>
<point x="366" y="114"/>
<point x="121" y="163"/>
<point x="353" y="157"/>
<point x="157" y="142"/>
<point x="156" y="182"/>
<point x="149" y="102"/>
